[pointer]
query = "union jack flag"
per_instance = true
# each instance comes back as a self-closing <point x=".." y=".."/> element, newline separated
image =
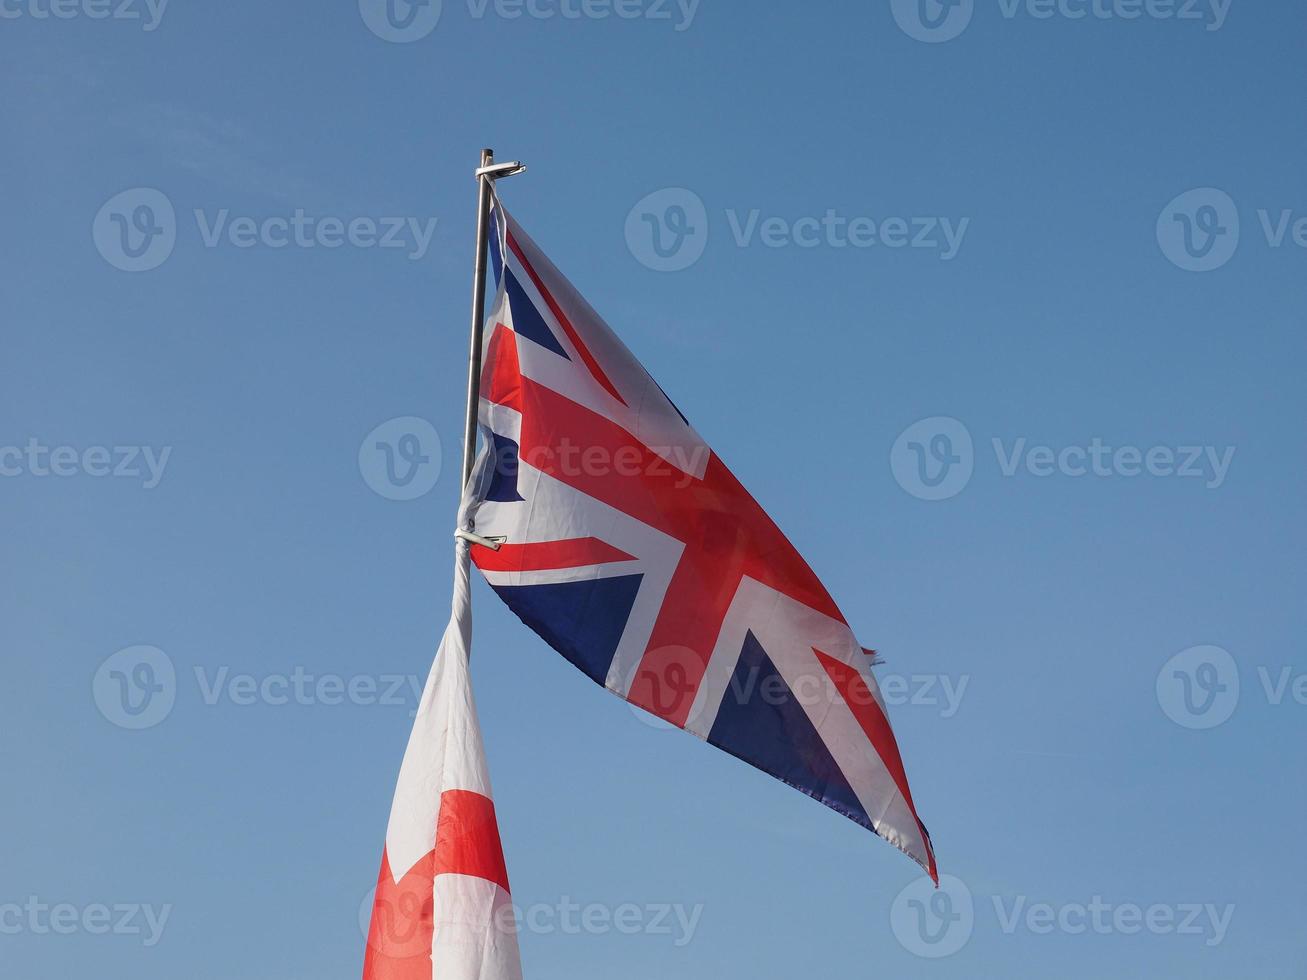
<point x="632" y="550"/>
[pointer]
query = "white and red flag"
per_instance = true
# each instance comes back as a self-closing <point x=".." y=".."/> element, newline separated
<point x="442" y="907"/>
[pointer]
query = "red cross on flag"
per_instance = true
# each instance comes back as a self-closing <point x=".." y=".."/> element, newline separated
<point x="442" y="907"/>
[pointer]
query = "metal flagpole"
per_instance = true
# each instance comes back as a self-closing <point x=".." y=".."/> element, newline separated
<point x="478" y="314"/>
<point x="486" y="174"/>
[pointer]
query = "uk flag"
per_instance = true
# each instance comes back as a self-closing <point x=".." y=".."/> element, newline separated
<point x="632" y="550"/>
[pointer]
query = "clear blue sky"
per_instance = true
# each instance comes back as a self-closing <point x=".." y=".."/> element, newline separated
<point x="1064" y="316"/>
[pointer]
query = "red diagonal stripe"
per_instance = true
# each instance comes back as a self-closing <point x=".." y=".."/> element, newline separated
<point x="726" y="534"/>
<point x="565" y="323"/>
<point x="853" y="689"/>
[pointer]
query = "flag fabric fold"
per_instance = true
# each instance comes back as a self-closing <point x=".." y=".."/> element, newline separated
<point x="442" y="908"/>
<point x="634" y="552"/>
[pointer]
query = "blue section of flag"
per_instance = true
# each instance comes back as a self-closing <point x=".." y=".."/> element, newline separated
<point x="762" y="722"/>
<point x="581" y="620"/>
<point x="503" y="475"/>
<point x="527" y="321"/>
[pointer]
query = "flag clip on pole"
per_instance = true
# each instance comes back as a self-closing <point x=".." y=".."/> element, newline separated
<point x="486" y="175"/>
<point x="471" y="537"/>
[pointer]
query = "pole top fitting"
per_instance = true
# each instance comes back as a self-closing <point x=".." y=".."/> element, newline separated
<point x="497" y="170"/>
